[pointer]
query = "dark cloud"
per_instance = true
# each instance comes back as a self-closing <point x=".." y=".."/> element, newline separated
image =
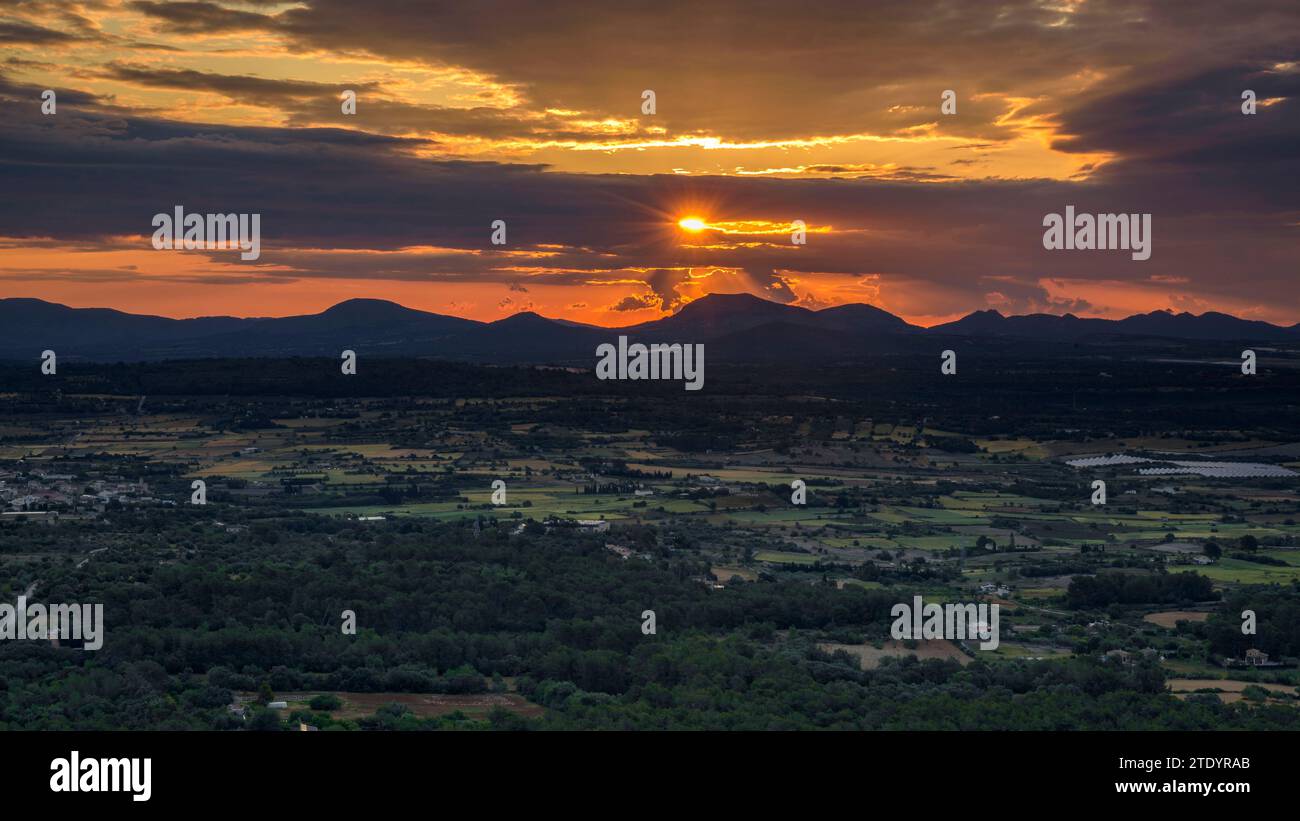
<point x="26" y="34"/>
<point x="20" y="63"/>
<point x="663" y="288"/>
<point x="335" y="189"/>
<point x="636" y="302"/>
<point x="877" y="171"/>
<point x="758" y="69"/>
<point x="1193" y="120"/>
<point x="1155" y="85"/>
<point x="18" y="94"/>
<point x="238" y="87"/>
<point x="125" y="275"/>
<point x="396" y="117"/>
<point x="202" y="18"/>
<point x="1012" y="296"/>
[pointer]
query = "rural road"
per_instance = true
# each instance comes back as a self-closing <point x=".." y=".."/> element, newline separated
<point x="83" y="562"/>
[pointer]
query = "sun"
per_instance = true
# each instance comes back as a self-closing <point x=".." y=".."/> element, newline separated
<point x="692" y="224"/>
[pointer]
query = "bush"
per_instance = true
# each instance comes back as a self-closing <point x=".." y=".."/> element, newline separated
<point x="325" y="701"/>
<point x="265" y="720"/>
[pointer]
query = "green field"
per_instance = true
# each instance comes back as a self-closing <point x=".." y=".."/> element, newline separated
<point x="782" y="557"/>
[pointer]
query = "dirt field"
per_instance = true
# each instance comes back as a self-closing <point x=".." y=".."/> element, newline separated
<point x="358" y="705"/>
<point x="1226" y="698"/>
<point x="869" y="657"/>
<point x="1169" y="618"/>
<point x="725" y="572"/>
<point x="1227" y="685"/>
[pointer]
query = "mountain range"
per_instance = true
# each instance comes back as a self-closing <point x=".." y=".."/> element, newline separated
<point x="735" y="327"/>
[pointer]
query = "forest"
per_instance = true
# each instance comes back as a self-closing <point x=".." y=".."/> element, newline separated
<point x="196" y="614"/>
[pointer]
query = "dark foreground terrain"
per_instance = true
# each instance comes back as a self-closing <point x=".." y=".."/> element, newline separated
<point x="374" y="494"/>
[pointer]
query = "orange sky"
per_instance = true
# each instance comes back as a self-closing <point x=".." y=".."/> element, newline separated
<point x="766" y="117"/>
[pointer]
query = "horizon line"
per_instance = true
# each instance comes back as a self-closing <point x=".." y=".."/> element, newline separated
<point x="664" y="315"/>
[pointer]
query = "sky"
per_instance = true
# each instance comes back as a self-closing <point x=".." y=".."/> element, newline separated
<point x="765" y="113"/>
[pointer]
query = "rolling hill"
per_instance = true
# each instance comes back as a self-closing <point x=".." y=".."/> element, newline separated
<point x="737" y="327"/>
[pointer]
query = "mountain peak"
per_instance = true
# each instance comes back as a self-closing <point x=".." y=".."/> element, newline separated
<point x="524" y="318"/>
<point x="363" y="307"/>
<point x="732" y="302"/>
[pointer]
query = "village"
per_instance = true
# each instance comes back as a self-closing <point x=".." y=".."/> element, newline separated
<point x="39" y="493"/>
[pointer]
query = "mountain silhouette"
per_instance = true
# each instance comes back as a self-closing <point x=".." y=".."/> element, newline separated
<point x="1207" y="326"/>
<point x="737" y="327"/>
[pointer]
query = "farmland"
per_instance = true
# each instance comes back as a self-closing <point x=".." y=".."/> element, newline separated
<point x="786" y="531"/>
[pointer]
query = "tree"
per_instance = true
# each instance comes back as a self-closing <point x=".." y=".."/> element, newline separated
<point x="1213" y="550"/>
<point x="325" y="701"/>
<point x="1249" y="542"/>
<point x="264" y="693"/>
<point x="1253" y="692"/>
<point x="265" y="720"/>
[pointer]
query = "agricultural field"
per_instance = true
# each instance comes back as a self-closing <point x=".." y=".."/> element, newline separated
<point x="869" y="656"/>
<point x="361" y="705"/>
<point x="792" y="499"/>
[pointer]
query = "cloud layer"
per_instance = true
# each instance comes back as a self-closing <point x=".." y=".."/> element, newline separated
<point x="765" y="115"/>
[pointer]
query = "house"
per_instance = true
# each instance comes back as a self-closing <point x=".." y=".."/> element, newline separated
<point x="1118" y="657"/>
<point x="307" y="728"/>
<point x="1254" y="658"/>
